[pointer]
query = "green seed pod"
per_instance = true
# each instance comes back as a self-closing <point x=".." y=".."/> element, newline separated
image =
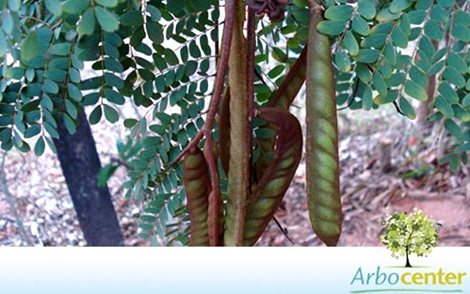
<point x="267" y="195"/>
<point x="197" y="185"/>
<point x="324" y="199"/>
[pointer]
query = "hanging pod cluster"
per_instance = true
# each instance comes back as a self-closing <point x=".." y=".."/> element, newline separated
<point x="252" y="200"/>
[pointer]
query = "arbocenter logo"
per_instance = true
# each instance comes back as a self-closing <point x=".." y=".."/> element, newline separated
<point x="406" y="235"/>
<point x="388" y="280"/>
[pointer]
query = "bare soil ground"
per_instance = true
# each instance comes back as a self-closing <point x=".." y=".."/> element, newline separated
<point x="415" y="181"/>
<point x="39" y="191"/>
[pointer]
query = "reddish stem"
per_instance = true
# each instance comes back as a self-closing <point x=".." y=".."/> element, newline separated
<point x="219" y="79"/>
<point x="251" y="63"/>
<point x="215" y="202"/>
<point x="313" y="5"/>
<point x="251" y="28"/>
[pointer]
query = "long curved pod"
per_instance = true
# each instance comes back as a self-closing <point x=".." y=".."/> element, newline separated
<point x="268" y="193"/>
<point x="324" y="200"/>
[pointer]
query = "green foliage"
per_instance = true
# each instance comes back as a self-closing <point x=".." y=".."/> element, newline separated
<point x="414" y="232"/>
<point x="392" y="49"/>
<point x="161" y="56"/>
<point x="45" y="85"/>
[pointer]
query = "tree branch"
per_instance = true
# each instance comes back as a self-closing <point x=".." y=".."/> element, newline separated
<point x="251" y="79"/>
<point x="215" y="201"/>
<point x="219" y="79"/>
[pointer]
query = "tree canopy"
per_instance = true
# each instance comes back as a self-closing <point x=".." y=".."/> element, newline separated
<point x="412" y="233"/>
<point x="58" y="57"/>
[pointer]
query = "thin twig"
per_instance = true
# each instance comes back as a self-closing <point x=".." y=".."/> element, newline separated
<point x="251" y="63"/>
<point x="217" y="25"/>
<point x="313" y="5"/>
<point x="353" y="95"/>
<point x="219" y="79"/>
<point x="251" y="79"/>
<point x="398" y="108"/>
<point x="283" y="230"/>
<point x="258" y="75"/>
<point x="215" y="200"/>
<point x="38" y="20"/>
<point x="11" y="203"/>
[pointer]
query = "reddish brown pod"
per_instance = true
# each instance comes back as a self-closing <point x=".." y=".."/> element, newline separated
<point x="290" y="86"/>
<point x="223" y="123"/>
<point x="282" y="98"/>
<point x="197" y="185"/>
<point x="268" y="193"/>
<point x="239" y="164"/>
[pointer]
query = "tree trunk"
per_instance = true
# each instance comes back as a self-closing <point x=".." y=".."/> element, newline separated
<point x="408" y="264"/>
<point x="80" y="165"/>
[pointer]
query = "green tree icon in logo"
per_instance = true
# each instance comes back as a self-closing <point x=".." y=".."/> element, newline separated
<point x="406" y="234"/>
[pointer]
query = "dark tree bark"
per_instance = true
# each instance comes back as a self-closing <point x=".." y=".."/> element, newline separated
<point x="408" y="264"/>
<point x="80" y="165"/>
